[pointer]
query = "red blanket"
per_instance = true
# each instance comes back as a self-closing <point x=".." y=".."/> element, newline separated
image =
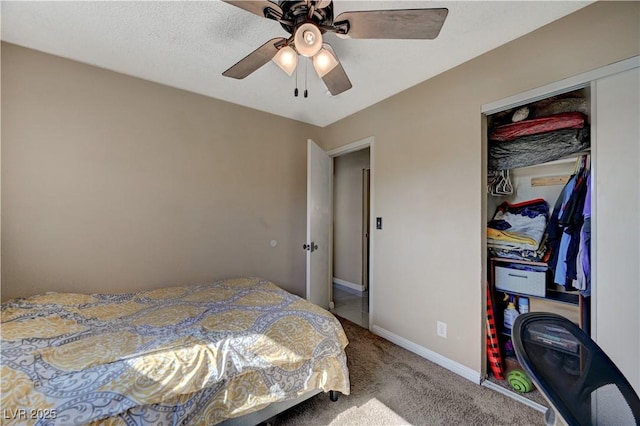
<point x="565" y="120"/>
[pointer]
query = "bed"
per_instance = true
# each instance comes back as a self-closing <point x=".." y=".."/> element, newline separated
<point x="198" y="354"/>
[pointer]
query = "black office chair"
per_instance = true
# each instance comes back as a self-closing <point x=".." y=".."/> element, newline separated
<point x="582" y="384"/>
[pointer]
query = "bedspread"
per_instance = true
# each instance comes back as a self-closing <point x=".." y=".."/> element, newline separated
<point x="182" y="355"/>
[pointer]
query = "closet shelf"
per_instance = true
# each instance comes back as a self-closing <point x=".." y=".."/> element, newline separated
<point x="520" y="261"/>
<point x="570" y="159"/>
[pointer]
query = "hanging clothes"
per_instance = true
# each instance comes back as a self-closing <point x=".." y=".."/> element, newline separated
<point x="555" y="230"/>
<point x="572" y="219"/>
<point x="570" y="260"/>
<point x="583" y="281"/>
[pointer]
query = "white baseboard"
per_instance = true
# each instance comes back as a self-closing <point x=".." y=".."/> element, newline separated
<point x="442" y="361"/>
<point x="348" y="284"/>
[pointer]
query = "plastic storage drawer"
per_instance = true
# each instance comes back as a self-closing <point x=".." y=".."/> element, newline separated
<point x="533" y="283"/>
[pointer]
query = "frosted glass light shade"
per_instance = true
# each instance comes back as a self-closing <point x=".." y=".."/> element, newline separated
<point x="308" y="39"/>
<point x="324" y="61"/>
<point x="287" y="59"/>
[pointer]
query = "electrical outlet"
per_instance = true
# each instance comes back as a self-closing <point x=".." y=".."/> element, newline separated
<point x="442" y="329"/>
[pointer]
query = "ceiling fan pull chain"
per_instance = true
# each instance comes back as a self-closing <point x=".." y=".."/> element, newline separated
<point x="305" y="79"/>
<point x="295" y="92"/>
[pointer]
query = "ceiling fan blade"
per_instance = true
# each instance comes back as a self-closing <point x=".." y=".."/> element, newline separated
<point x="392" y="24"/>
<point x="255" y="59"/>
<point x="264" y="8"/>
<point x="337" y="80"/>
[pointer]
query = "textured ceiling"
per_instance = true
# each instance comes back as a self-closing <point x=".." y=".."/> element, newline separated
<point x="188" y="45"/>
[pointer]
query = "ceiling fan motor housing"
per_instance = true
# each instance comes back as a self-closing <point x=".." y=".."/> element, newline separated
<point x="296" y="13"/>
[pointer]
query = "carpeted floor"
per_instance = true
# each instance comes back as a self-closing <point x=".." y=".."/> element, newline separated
<point x="392" y="386"/>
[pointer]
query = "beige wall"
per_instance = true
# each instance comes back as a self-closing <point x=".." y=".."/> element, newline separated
<point x="114" y="184"/>
<point x="428" y="181"/>
<point x="347" y="220"/>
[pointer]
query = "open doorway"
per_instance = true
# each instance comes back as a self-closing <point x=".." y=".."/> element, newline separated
<point x="351" y="235"/>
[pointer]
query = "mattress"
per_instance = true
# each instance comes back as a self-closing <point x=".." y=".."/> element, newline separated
<point x="182" y="355"/>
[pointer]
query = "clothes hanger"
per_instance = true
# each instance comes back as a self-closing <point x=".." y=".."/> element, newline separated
<point x="501" y="187"/>
<point x="494" y="184"/>
<point x="499" y="183"/>
<point x="505" y="187"/>
<point x="576" y="168"/>
<point x="509" y="186"/>
<point x="492" y="177"/>
<point x="588" y="163"/>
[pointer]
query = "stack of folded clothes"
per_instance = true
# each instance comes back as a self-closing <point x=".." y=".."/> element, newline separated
<point x="518" y="231"/>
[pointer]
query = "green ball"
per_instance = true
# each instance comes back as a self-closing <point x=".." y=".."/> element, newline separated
<point x="519" y="381"/>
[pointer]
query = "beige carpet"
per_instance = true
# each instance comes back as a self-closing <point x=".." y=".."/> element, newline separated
<point x="392" y="386"/>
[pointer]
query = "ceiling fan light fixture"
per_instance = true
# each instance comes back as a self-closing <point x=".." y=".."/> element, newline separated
<point x="286" y="59"/>
<point x="308" y="39"/>
<point x="324" y="61"/>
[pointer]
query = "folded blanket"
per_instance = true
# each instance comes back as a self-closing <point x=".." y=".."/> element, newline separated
<point x="567" y="120"/>
<point x="519" y="226"/>
<point x="513" y="251"/>
<point x="537" y="149"/>
<point x="528" y="236"/>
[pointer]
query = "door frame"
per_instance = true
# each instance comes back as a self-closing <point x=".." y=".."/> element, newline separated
<point x="366" y="230"/>
<point x="358" y="145"/>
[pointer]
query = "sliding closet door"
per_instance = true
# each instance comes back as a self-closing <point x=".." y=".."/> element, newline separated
<point x="617" y="195"/>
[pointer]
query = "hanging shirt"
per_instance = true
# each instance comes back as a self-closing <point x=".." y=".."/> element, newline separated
<point x="583" y="281"/>
<point x="559" y="241"/>
<point x="574" y="218"/>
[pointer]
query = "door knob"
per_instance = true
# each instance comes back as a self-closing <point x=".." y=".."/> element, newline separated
<point x="310" y="247"/>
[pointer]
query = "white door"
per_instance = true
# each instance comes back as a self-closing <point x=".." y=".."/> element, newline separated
<point x="319" y="205"/>
<point x="617" y="230"/>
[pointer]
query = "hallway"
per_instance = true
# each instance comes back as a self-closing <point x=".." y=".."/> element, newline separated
<point x="351" y="305"/>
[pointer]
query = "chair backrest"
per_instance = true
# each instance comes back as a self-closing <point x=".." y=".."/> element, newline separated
<point x="574" y="374"/>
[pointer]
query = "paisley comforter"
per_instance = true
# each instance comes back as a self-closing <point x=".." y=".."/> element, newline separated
<point x="182" y="355"/>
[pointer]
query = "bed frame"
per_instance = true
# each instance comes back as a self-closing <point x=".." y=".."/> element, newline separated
<point x="274" y="409"/>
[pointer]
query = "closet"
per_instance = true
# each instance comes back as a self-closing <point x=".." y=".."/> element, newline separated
<point x="543" y="199"/>
<point x="539" y="155"/>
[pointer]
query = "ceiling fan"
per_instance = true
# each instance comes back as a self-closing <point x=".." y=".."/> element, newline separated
<point x="308" y="20"/>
